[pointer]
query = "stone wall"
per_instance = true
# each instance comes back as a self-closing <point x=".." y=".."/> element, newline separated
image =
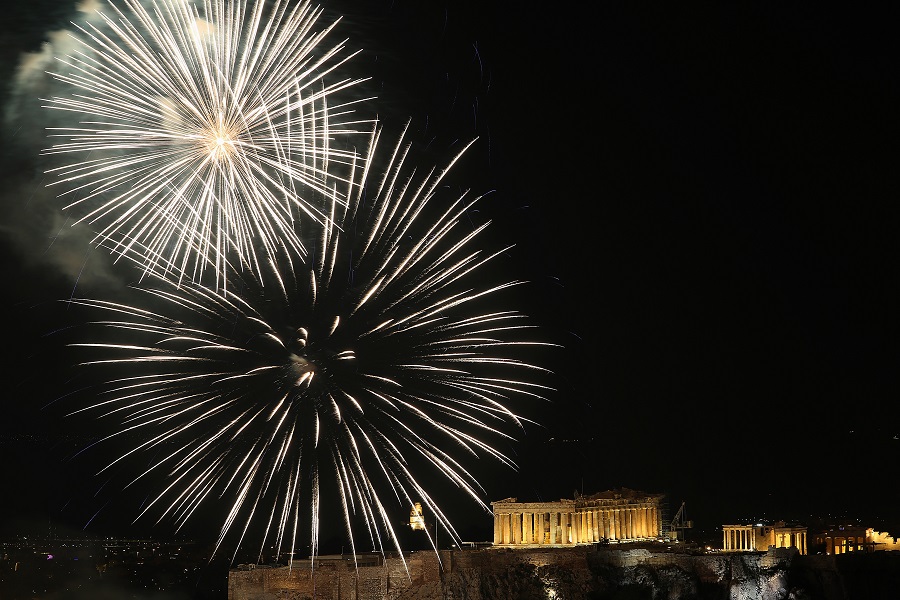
<point x="599" y="573"/>
<point x="335" y="579"/>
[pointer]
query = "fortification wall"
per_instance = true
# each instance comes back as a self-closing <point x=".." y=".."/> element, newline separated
<point x="334" y="579"/>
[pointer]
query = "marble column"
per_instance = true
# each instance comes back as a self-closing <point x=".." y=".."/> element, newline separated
<point x="585" y="531"/>
<point x="527" y="528"/>
<point x="628" y="534"/>
<point x="619" y="522"/>
<point x="564" y="528"/>
<point x="591" y="526"/>
<point x="635" y="523"/>
<point x="554" y="523"/>
<point x="540" y="528"/>
<point x="632" y="522"/>
<point x="517" y="528"/>
<point x="576" y="527"/>
<point x="638" y="522"/>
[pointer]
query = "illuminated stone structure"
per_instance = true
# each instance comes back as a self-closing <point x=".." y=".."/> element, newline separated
<point x="841" y="539"/>
<point x="752" y="538"/>
<point x="617" y="516"/>
<point x="416" y="518"/>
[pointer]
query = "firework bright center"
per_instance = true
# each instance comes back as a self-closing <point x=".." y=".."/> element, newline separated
<point x="301" y="369"/>
<point x="221" y="143"/>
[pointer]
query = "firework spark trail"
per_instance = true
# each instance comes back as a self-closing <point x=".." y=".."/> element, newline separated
<point x="263" y="392"/>
<point x="206" y="134"/>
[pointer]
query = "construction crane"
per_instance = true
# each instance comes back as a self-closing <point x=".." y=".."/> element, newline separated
<point x="678" y="525"/>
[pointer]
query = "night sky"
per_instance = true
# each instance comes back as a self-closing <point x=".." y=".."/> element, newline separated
<point x="704" y="201"/>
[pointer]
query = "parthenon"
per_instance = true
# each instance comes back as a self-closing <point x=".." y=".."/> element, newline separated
<point x="616" y="515"/>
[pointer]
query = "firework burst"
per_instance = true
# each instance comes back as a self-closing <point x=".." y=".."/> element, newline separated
<point x="206" y="134"/>
<point x="382" y="359"/>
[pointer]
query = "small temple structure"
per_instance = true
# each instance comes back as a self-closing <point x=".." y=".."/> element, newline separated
<point x="617" y="516"/>
<point x="760" y="537"/>
<point x="840" y="539"/>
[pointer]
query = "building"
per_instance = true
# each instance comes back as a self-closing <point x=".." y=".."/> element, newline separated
<point x="760" y="537"/>
<point x="617" y="516"/>
<point x="416" y="518"/>
<point x="840" y="539"/>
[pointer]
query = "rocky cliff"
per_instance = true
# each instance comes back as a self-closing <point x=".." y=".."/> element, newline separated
<point x="581" y="573"/>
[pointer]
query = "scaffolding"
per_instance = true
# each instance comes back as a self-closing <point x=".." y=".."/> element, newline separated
<point x="665" y="522"/>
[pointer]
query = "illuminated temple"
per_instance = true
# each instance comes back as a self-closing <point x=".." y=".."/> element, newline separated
<point x="617" y="516"/>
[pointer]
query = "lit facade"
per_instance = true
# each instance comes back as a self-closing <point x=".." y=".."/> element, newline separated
<point x="416" y="518"/>
<point x="842" y="539"/>
<point x="752" y="538"/>
<point x="616" y="516"/>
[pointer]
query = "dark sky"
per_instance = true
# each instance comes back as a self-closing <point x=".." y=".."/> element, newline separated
<point x="705" y="201"/>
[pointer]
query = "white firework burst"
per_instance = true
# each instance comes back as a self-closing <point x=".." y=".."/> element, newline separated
<point x="391" y="358"/>
<point x="205" y="133"/>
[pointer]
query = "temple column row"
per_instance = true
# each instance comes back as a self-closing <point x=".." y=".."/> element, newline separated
<point x="795" y="539"/>
<point x="625" y="523"/>
<point x="580" y="527"/>
<point x="738" y="538"/>
<point x="528" y="527"/>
